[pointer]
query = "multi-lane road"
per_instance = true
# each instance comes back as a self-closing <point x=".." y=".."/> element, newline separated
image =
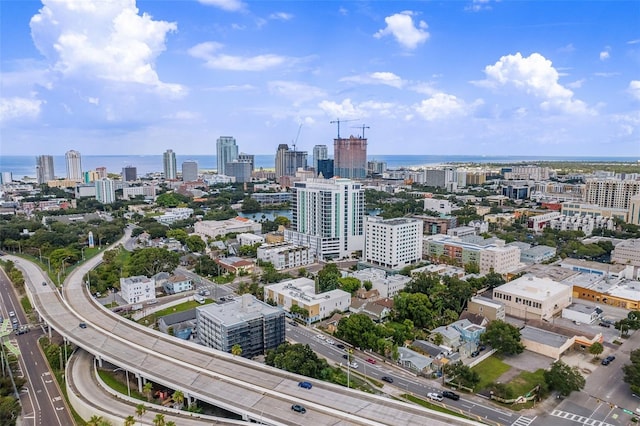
<point x="239" y="385"/>
<point x="42" y="402"/>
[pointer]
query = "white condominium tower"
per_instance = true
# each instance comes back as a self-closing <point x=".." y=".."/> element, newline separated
<point x="226" y="152"/>
<point x="44" y="168"/>
<point x="169" y="164"/>
<point x="328" y="217"/>
<point x="392" y="243"/>
<point x="74" y="165"/>
<point x="613" y="193"/>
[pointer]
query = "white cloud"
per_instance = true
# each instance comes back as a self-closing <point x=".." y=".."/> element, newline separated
<point x="183" y="116"/>
<point x="19" y="108"/>
<point x="281" y="16"/>
<point x="232" y="88"/>
<point x="229" y="5"/>
<point x="385" y="78"/>
<point x="634" y="89"/>
<point x="207" y="52"/>
<point x="344" y="110"/>
<point x="93" y="100"/>
<point x="576" y="84"/>
<point x="569" y="48"/>
<point x="443" y="105"/>
<point x="296" y="91"/>
<point x="636" y="41"/>
<point x="606" y="74"/>
<point x="104" y="40"/>
<point x="403" y="29"/>
<point x="604" y="55"/>
<point x="478" y="5"/>
<point x="533" y="75"/>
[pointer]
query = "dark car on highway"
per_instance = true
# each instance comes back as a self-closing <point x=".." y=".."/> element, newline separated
<point x="387" y="379"/>
<point x="451" y="395"/>
<point x="298" y="408"/>
<point x="608" y="360"/>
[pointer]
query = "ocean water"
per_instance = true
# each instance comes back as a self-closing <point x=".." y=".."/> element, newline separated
<point x="25" y="165"/>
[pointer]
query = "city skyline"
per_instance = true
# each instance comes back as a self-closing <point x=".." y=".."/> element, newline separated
<point x="464" y="77"/>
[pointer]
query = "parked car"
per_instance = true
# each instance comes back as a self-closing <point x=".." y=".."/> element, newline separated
<point x="12" y="314"/>
<point x="475" y="354"/>
<point x="604" y="324"/>
<point x="305" y="385"/>
<point x="608" y="360"/>
<point x="451" y="395"/>
<point x="434" y="396"/>
<point x="482" y="348"/>
<point x="387" y="379"/>
<point x="298" y="408"/>
<point x="371" y="360"/>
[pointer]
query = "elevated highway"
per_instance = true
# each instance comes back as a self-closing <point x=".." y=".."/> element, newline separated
<point x="253" y="390"/>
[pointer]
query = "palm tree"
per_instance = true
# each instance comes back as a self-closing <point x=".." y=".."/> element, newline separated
<point x="147" y="389"/>
<point x="178" y="397"/>
<point x="236" y="350"/>
<point x="94" y="421"/>
<point x="171" y="423"/>
<point x="129" y="421"/>
<point x="159" y="420"/>
<point x="140" y="410"/>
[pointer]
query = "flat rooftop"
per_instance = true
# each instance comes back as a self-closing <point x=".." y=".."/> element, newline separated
<point x="533" y="288"/>
<point x="542" y="336"/>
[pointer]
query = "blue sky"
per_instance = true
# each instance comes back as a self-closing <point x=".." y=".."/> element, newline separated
<point x="450" y="77"/>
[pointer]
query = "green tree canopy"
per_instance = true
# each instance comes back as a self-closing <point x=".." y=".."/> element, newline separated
<point x="632" y="372"/>
<point x="596" y="349"/>
<point x="249" y="205"/>
<point x="195" y="244"/>
<point x="416" y="307"/>
<point x="328" y="277"/>
<point x="300" y="359"/>
<point x="563" y="378"/>
<point x="503" y="337"/>
<point x="349" y="284"/>
<point x="358" y="329"/>
<point x="150" y="261"/>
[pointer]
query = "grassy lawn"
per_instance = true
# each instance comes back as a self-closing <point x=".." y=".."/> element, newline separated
<point x="112" y="381"/>
<point x="191" y="304"/>
<point x="526" y="380"/>
<point x="433" y="407"/>
<point x="490" y="369"/>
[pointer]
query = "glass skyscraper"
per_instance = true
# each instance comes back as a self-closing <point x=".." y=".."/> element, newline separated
<point x="169" y="164"/>
<point x="226" y="152"/>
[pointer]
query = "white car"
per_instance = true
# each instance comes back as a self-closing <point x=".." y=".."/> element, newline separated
<point x="354" y="365"/>
<point x="320" y="336"/>
<point x="434" y="396"/>
<point x="330" y="341"/>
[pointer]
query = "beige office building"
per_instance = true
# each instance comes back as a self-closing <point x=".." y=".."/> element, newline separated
<point x="530" y="297"/>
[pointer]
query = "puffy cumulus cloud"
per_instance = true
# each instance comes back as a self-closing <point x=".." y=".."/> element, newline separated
<point x="228" y="5"/>
<point x="634" y="89"/>
<point x="107" y="40"/>
<point x="385" y="78"/>
<point x="207" y="51"/>
<point x="404" y="30"/>
<point x="535" y="75"/>
<point x="604" y="55"/>
<point x="19" y="108"/>
<point x="296" y="91"/>
<point x="442" y="105"/>
<point x="347" y="110"/>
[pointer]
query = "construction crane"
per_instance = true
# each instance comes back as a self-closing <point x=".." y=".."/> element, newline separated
<point x="338" y="121"/>
<point x="362" y="127"/>
<point x="297" y="136"/>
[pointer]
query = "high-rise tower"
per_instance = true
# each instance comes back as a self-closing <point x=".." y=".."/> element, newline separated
<point x="169" y="164"/>
<point x="226" y="151"/>
<point x="350" y="157"/>
<point x="328" y="216"/>
<point x="288" y="161"/>
<point x="44" y="168"/>
<point x="74" y="165"/>
<point x="320" y="152"/>
<point x="189" y="171"/>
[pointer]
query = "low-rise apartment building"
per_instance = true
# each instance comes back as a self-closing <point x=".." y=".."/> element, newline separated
<point x="301" y="292"/>
<point x="627" y="253"/>
<point x="530" y="297"/>
<point x="177" y="284"/>
<point x="215" y="228"/>
<point x="285" y="255"/>
<point x="137" y="289"/>
<point x="387" y="285"/>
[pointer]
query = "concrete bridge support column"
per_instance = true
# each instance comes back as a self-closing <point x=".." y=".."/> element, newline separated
<point x="141" y="382"/>
<point x="99" y="359"/>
